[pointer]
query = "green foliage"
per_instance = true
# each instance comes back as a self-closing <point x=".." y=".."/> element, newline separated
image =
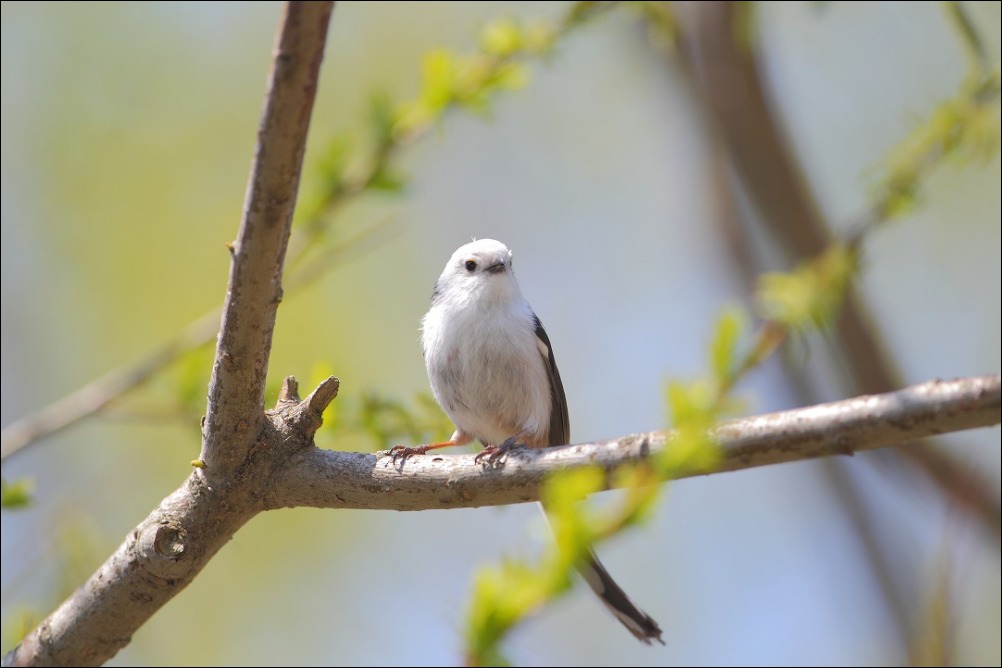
<point x="449" y="80"/>
<point x="810" y="296"/>
<point x="694" y="409"/>
<point x="470" y="81"/>
<point x="503" y="596"/>
<point x="15" y="494"/>
<point x="387" y="421"/>
<point x="330" y="167"/>
<point x="18" y="624"/>
<point x="723" y="347"/>
<point x="965" y="128"/>
<point x="186" y="383"/>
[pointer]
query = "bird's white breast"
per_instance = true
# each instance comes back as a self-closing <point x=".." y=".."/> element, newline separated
<point x="486" y="370"/>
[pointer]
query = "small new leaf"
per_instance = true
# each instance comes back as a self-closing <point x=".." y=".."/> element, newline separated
<point x="723" y="348"/>
<point x="810" y="296"/>
<point x="694" y="409"/>
<point x="965" y="127"/>
<point x="388" y="181"/>
<point x="502" y="37"/>
<point x="15" y="494"/>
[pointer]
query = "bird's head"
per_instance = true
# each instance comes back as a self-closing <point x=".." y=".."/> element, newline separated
<point x="480" y="272"/>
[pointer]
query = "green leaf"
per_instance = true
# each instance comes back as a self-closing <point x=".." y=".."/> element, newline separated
<point x="965" y="127"/>
<point x="502" y="37"/>
<point x="16" y="494"/>
<point x="388" y="181"/>
<point x="381" y="117"/>
<point x="694" y="410"/>
<point x="810" y="296"/>
<point x="723" y="348"/>
<point x="18" y="624"/>
<point x="439" y="70"/>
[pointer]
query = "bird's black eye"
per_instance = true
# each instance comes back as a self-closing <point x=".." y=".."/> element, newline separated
<point x="471" y="266"/>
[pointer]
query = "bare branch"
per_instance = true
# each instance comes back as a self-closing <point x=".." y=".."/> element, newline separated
<point x="255" y="461"/>
<point x="325" y="479"/>
<point x="96" y="395"/>
<point x="236" y="391"/>
<point x="165" y="552"/>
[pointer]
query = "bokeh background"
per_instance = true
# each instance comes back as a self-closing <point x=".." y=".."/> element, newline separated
<point x="127" y="132"/>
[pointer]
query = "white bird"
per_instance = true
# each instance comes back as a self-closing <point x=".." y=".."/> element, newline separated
<point x="492" y="371"/>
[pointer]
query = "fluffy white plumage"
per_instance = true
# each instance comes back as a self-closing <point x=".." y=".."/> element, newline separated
<point x="483" y="357"/>
<point x="493" y="373"/>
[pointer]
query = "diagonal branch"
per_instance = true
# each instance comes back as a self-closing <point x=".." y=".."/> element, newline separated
<point x="236" y="391"/>
<point x="736" y="99"/>
<point x="98" y="394"/>
<point x="326" y="479"/>
<point x="170" y="547"/>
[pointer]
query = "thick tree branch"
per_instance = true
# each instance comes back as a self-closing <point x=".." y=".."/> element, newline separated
<point x="95" y="396"/>
<point x="325" y="479"/>
<point x="254" y="461"/>
<point x="165" y="552"/>
<point x="236" y="391"/>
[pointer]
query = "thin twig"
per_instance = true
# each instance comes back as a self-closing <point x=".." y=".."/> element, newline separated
<point x="98" y="394"/>
<point x="973" y="44"/>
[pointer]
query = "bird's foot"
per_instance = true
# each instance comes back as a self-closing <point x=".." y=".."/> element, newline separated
<point x="402" y="452"/>
<point x="494" y="453"/>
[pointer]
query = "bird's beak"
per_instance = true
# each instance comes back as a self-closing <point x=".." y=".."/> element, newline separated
<point x="497" y="267"/>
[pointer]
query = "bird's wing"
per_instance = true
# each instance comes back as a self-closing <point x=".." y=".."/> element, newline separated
<point x="560" y="424"/>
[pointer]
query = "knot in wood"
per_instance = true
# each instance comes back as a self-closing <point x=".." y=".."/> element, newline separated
<point x="162" y="548"/>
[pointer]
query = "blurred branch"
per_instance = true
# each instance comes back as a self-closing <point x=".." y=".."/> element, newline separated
<point x="96" y="395"/>
<point x="733" y="92"/>
<point x="725" y="71"/>
<point x="506" y="44"/>
<point x="99" y="394"/>
<point x="165" y="552"/>
<point x="838" y="472"/>
<point x="973" y="43"/>
<point x="326" y="479"/>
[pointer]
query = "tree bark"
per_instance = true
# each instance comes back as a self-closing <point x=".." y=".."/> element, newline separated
<point x="165" y="552"/>
<point x="253" y="460"/>
<point x="327" y="479"/>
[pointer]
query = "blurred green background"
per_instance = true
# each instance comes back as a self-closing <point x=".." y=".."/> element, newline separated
<point x="127" y="133"/>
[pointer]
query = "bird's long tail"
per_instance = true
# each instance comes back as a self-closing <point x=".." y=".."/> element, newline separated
<point x="638" y="622"/>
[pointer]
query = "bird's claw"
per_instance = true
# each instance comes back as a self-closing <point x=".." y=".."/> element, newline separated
<point x="494" y="453"/>
<point x="403" y="452"/>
